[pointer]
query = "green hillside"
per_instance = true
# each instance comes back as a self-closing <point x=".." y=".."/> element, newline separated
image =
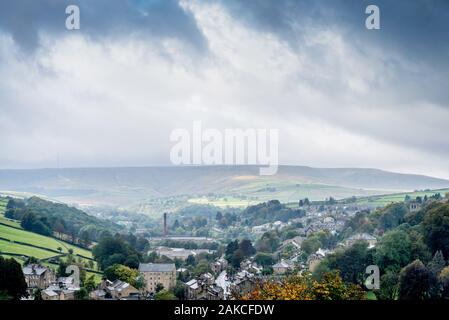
<point x="19" y="235"/>
<point x="15" y="240"/>
<point x="383" y="200"/>
<point x="14" y="248"/>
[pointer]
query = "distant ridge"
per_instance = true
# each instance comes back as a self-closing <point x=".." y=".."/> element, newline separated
<point x="124" y="185"/>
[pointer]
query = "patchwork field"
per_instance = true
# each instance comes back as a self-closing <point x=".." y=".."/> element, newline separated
<point x="15" y="248"/>
<point x="383" y="200"/>
<point x="18" y="235"/>
<point x="18" y="244"/>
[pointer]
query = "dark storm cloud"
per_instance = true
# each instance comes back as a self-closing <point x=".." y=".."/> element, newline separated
<point x="415" y="30"/>
<point x="24" y="19"/>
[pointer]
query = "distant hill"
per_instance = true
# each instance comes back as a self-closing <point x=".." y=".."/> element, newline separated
<point x="122" y="186"/>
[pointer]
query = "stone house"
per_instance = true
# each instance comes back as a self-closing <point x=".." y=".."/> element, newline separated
<point x="37" y="276"/>
<point x="158" y="273"/>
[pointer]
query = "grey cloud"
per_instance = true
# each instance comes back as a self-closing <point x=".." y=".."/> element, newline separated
<point x="24" y="19"/>
<point x="416" y="31"/>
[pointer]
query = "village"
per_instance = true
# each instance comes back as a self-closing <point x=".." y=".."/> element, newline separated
<point x="221" y="281"/>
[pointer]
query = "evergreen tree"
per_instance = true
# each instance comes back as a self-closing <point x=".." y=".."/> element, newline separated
<point x="415" y="282"/>
<point x="437" y="264"/>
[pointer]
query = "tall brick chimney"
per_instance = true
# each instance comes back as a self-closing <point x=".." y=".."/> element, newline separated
<point x="165" y="224"/>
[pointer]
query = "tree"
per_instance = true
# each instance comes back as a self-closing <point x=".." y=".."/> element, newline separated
<point x="437" y="264"/>
<point x="37" y="294"/>
<point x="389" y="286"/>
<point x="393" y="251"/>
<point x="81" y="294"/>
<point x="140" y="283"/>
<point x="190" y="261"/>
<point x="264" y="259"/>
<point x="247" y="247"/>
<point x="352" y="262"/>
<point x="159" y="287"/>
<point x="85" y="238"/>
<point x="310" y="245"/>
<point x="12" y="280"/>
<point x="30" y="260"/>
<point x="436" y="228"/>
<point x="392" y="216"/>
<point x="179" y="291"/>
<point x="444" y="280"/>
<point x="415" y="282"/>
<point x="112" y="250"/>
<point x="231" y="247"/>
<point x="123" y="273"/>
<point x="164" y="295"/>
<point x="330" y="287"/>
<point x="236" y="258"/>
<point x="31" y="223"/>
<point x="89" y="283"/>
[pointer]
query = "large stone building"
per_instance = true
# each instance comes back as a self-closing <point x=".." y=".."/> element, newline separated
<point x="37" y="276"/>
<point x="155" y="273"/>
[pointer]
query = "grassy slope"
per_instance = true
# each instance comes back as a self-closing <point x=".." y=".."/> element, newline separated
<point x="39" y="240"/>
<point x="14" y="234"/>
<point x="34" y="238"/>
<point x="10" y="247"/>
<point x="383" y="200"/>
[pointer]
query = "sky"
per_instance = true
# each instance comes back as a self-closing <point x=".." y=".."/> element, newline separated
<point x="111" y="93"/>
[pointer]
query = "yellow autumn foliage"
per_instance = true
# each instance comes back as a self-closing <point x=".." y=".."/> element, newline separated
<point x="304" y="287"/>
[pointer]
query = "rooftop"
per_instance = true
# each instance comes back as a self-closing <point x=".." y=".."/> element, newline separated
<point x="157" y="267"/>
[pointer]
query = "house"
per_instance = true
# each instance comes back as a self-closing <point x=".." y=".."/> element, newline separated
<point x="362" y="237"/>
<point x="63" y="289"/>
<point x="414" y="206"/>
<point x="49" y="294"/>
<point x="37" y="276"/>
<point x="295" y="242"/>
<point x="121" y="290"/>
<point x="219" y="265"/>
<point x="250" y="266"/>
<point x="282" y="267"/>
<point x="158" y="273"/>
<point x="242" y="283"/>
<point x="313" y="261"/>
<point x="204" y="288"/>
<point x="98" y="294"/>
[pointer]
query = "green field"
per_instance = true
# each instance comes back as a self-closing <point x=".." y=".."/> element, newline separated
<point x="39" y="240"/>
<point x="383" y="200"/>
<point x="3" y="203"/>
<point x="9" y="222"/>
<point x="11" y="230"/>
<point x="11" y="247"/>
